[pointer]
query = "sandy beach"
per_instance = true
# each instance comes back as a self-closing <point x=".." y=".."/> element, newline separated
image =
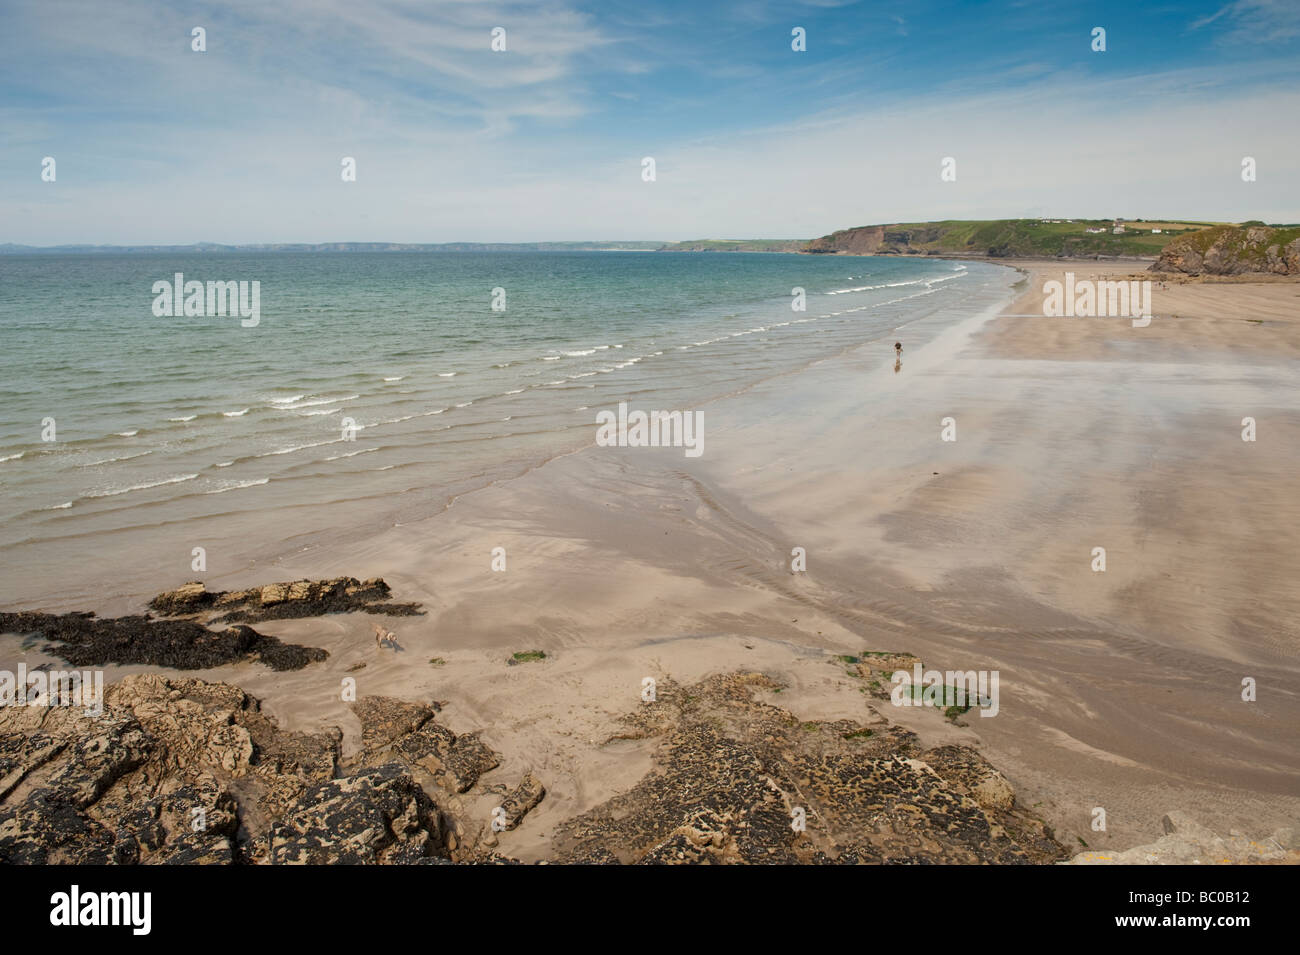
<point x="1119" y="689"/>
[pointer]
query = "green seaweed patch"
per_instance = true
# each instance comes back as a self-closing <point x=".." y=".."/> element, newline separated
<point x="917" y="691"/>
<point x="437" y="661"/>
<point x="527" y="656"/>
<point x="857" y="734"/>
<point x="952" y="709"/>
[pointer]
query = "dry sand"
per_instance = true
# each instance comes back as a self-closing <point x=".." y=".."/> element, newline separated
<point x="1119" y="690"/>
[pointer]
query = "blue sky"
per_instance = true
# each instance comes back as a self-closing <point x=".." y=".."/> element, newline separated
<point x="156" y="143"/>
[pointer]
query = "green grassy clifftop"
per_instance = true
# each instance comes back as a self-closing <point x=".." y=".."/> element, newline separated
<point x="1008" y="238"/>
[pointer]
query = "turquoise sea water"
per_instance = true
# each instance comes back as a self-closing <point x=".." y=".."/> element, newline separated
<point x="167" y="421"/>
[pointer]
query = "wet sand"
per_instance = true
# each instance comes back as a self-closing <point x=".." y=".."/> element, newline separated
<point x="1119" y="689"/>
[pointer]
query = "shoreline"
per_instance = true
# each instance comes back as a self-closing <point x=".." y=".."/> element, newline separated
<point x="249" y="554"/>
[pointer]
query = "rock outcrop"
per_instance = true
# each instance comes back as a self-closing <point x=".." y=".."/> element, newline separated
<point x="185" y="771"/>
<point x="737" y="780"/>
<point x="1233" y="250"/>
<point x="294" y="599"/>
<point x="522" y="800"/>
<point x="153" y="779"/>
<point x="378" y="815"/>
<point x="1187" y="842"/>
<point x="408" y="731"/>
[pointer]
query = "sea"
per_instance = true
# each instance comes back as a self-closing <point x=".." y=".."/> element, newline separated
<point x="373" y="386"/>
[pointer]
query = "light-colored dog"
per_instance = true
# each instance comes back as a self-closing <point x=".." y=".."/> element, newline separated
<point x="383" y="636"/>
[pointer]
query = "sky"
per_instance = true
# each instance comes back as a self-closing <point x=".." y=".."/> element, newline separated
<point x="156" y="143"/>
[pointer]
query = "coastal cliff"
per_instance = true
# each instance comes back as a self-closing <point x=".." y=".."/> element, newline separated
<point x="1233" y="250"/>
<point x="1004" y="238"/>
<point x="1190" y="248"/>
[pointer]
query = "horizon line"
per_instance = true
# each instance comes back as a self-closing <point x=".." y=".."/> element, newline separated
<point x="609" y="242"/>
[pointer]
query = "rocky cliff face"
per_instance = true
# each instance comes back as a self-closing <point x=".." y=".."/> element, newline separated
<point x="865" y="240"/>
<point x="1233" y="250"/>
<point x="930" y="239"/>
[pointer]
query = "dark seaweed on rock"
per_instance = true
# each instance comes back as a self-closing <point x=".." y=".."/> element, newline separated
<point x="85" y="640"/>
<point x="284" y="601"/>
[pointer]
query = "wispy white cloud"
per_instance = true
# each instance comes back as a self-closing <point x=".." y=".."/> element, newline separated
<point x="157" y="144"/>
<point x="1051" y="149"/>
<point x="274" y="52"/>
<point x="1256" y="21"/>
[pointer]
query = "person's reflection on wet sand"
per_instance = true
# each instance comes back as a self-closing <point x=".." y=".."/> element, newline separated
<point x="898" y="365"/>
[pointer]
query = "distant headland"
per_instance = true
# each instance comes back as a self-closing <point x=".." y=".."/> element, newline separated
<point x="1174" y="245"/>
